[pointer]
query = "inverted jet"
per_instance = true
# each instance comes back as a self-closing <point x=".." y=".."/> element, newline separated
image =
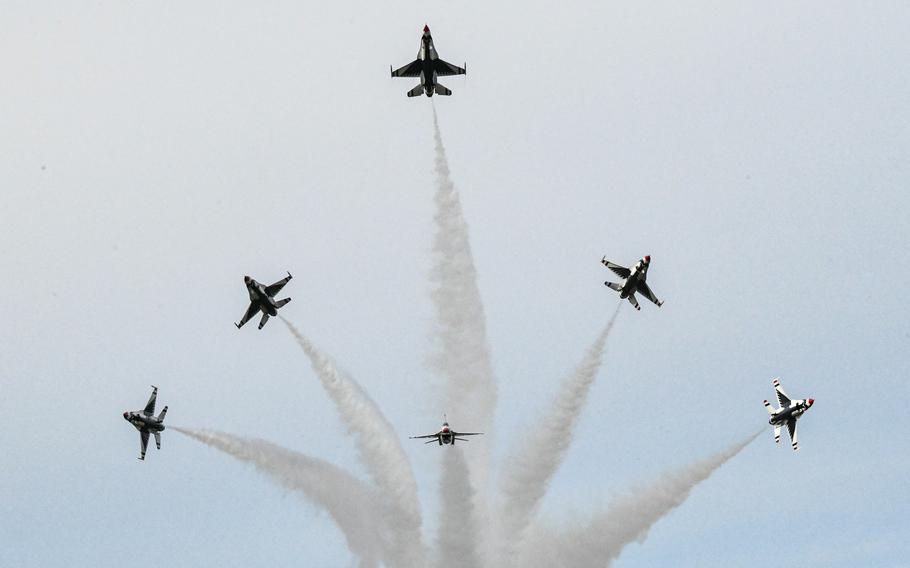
<point x="789" y="412"/>
<point x="634" y="280"/>
<point x="262" y="299"/>
<point x="446" y="435"/>
<point x="428" y="66"/>
<point x="146" y="422"/>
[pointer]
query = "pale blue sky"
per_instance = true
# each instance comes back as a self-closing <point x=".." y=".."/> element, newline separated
<point x="757" y="150"/>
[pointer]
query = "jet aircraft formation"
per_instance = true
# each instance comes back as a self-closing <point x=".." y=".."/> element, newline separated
<point x="429" y="67"/>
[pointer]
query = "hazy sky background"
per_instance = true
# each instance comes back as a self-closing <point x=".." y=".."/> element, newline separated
<point x="151" y="154"/>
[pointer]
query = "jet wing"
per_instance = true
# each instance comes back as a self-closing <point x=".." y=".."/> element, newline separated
<point x="277" y="286"/>
<point x="427" y="436"/>
<point x="150" y="405"/>
<point x="782" y="397"/>
<point x="412" y="69"/>
<point x="250" y="312"/>
<point x="467" y="433"/>
<point x="620" y="271"/>
<point x="791" y="428"/>
<point x="444" y="69"/>
<point x="144" y="442"/>
<point x="645" y="291"/>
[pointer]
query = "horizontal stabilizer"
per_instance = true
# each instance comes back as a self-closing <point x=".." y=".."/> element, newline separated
<point x="158" y="440"/>
<point x="768" y="407"/>
<point x="416" y="91"/>
<point x="614" y="285"/>
<point x="281" y="303"/>
<point x="440" y="90"/>
<point x="161" y="416"/>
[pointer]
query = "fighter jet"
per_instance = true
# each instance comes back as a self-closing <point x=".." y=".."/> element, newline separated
<point x="788" y="413"/>
<point x="428" y="66"/>
<point x="635" y="280"/>
<point x="145" y="421"/>
<point x="262" y="299"/>
<point x="446" y="435"/>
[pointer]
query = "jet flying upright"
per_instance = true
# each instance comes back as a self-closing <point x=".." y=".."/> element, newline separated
<point x="446" y="435"/>
<point x="635" y="280"/>
<point x="428" y="66"/>
<point x="262" y="299"/>
<point x="146" y="422"/>
<point x="788" y="413"/>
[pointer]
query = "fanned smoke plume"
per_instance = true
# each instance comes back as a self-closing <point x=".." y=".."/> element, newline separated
<point x="463" y="354"/>
<point x="379" y="449"/>
<point x="351" y="503"/>
<point x="381" y="521"/>
<point x="628" y="519"/>
<point x="526" y="476"/>
<point x="458" y="529"/>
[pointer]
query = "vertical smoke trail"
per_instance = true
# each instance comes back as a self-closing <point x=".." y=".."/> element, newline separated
<point x="463" y="358"/>
<point x="526" y="476"/>
<point x="457" y="539"/>
<point x="352" y="504"/>
<point x="380" y="451"/>
<point x="629" y="518"/>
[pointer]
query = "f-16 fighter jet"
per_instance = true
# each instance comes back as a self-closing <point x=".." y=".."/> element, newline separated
<point x="428" y="66"/>
<point x="262" y="299"/>
<point x="446" y="435"/>
<point x="146" y="422"/>
<point x="788" y="413"/>
<point x="635" y="280"/>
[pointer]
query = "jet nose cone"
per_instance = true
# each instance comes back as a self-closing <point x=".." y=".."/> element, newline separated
<point x="811" y="401"/>
<point x="126" y="415"/>
<point x="647" y="258"/>
<point x="246" y="278"/>
<point x="426" y="29"/>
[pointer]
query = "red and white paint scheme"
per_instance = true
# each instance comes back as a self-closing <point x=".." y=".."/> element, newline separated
<point x="428" y="67"/>
<point x="789" y="412"/>
<point x="446" y="435"/>
<point x="634" y="280"/>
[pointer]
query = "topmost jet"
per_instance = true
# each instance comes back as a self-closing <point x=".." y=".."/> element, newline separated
<point x="428" y="66"/>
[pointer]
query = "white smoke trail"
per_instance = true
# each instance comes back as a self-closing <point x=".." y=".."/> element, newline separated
<point x="378" y="448"/>
<point x="458" y="531"/>
<point x="463" y="357"/>
<point x="628" y="519"/>
<point x="351" y="503"/>
<point x="527" y="475"/>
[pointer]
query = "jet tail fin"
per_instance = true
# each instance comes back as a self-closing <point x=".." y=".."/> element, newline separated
<point x="161" y="416"/>
<point x="281" y="303"/>
<point x="416" y="91"/>
<point x="440" y="90"/>
<point x="262" y="322"/>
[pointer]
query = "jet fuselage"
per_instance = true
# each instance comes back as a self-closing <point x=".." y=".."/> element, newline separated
<point x="427" y="55"/>
<point x="639" y="273"/>
<point x="143" y="422"/>
<point x="796" y="409"/>
<point x="258" y="296"/>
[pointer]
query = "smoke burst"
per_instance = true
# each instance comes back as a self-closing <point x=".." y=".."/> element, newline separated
<point x="463" y="357"/>
<point x="379" y="449"/>
<point x="628" y="519"/>
<point x="458" y="527"/>
<point x="527" y="475"/>
<point x="351" y="503"/>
